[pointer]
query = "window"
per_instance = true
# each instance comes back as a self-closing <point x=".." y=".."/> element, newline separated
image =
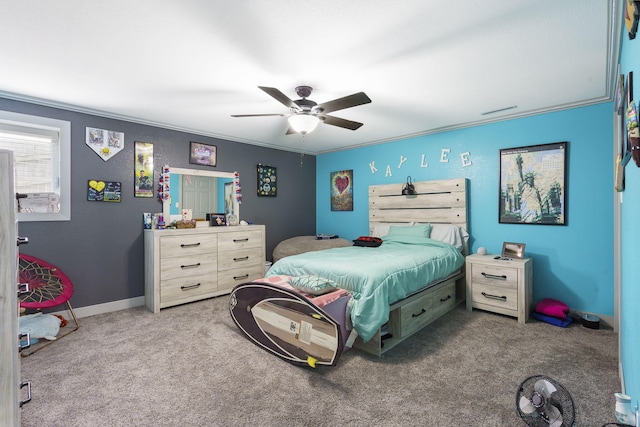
<point x="41" y="152"/>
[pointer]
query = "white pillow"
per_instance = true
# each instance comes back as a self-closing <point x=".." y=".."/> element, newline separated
<point x="450" y="233"/>
<point x="382" y="229"/>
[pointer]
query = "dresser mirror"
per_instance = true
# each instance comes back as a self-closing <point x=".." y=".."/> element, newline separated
<point x="201" y="191"/>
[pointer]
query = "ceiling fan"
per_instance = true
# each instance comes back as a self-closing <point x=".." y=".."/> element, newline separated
<point x="306" y="114"/>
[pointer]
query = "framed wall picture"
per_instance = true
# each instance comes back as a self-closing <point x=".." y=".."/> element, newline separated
<point x="202" y="154"/>
<point x="143" y="169"/>
<point x="533" y="184"/>
<point x="267" y="181"/>
<point x="104" y="191"/>
<point x="627" y="99"/>
<point x="341" y="190"/>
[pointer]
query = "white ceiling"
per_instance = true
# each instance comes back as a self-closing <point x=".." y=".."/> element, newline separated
<point x="426" y="65"/>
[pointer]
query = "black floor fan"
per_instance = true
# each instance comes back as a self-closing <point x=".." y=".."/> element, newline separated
<point x="541" y="401"/>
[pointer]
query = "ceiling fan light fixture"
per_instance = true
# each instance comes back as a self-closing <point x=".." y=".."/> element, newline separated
<point x="303" y="122"/>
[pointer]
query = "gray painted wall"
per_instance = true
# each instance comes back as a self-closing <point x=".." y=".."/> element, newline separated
<point x="101" y="249"/>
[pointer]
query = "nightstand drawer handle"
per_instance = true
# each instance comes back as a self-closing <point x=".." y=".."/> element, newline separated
<point x="246" y="239"/>
<point x="187" y="288"/>
<point x="244" y="276"/>
<point x="423" y="311"/>
<point x="190" y="266"/>
<point x="445" y="299"/>
<point x="189" y="245"/>
<point x="244" y="258"/>
<point x="486" y="295"/>
<point x="28" y="386"/>
<point x="26" y="338"/>
<point x="493" y="276"/>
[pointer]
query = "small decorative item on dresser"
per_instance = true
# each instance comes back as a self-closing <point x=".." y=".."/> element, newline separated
<point x="218" y="219"/>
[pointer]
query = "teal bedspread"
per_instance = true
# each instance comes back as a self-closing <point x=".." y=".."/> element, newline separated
<point x="376" y="277"/>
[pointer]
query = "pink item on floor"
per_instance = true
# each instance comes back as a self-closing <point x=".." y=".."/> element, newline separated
<point x="552" y="307"/>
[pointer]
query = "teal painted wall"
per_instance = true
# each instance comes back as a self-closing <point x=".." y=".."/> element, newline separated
<point x="572" y="263"/>
<point x="630" y="289"/>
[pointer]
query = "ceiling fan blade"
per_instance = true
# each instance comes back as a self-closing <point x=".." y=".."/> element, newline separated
<point x="256" y="115"/>
<point x="342" y="103"/>
<point x="337" y="121"/>
<point x="280" y="97"/>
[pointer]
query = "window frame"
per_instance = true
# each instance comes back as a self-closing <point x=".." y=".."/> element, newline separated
<point x="63" y="128"/>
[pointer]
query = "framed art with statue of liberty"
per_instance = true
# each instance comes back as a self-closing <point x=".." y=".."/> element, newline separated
<point x="533" y="185"/>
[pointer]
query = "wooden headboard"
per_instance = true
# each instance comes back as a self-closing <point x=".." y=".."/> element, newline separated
<point x="440" y="201"/>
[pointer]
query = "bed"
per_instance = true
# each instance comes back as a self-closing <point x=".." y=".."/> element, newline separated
<point x="414" y="277"/>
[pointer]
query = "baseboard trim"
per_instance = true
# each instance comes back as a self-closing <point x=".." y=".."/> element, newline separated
<point x="108" y="307"/>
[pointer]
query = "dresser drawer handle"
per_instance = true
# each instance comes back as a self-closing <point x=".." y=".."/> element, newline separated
<point x="190" y="266"/>
<point x="244" y="276"/>
<point x="28" y="399"/>
<point x="187" y="288"/>
<point x="27" y="341"/>
<point x="190" y="245"/>
<point x="493" y="276"/>
<point x="486" y="295"/>
<point x="423" y="311"/>
<point x="244" y="258"/>
<point x="246" y="239"/>
<point x="445" y="299"/>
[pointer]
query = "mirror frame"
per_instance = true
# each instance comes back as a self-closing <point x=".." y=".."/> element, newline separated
<point x="166" y="204"/>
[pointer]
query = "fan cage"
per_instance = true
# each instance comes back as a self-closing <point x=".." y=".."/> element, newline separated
<point x="561" y="399"/>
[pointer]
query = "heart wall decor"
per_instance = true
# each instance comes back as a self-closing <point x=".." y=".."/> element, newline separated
<point x="342" y="190"/>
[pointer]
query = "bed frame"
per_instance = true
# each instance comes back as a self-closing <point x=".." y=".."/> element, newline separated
<point x="441" y="201"/>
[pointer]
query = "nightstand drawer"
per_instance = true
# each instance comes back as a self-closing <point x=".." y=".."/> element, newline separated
<point x="496" y="296"/>
<point x="495" y="275"/>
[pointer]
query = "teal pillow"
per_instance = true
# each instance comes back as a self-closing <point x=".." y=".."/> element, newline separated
<point x="423" y="230"/>
<point x="314" y="285"/>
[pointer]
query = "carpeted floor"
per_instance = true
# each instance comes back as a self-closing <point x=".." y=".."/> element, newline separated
<point x="190" y="366"/>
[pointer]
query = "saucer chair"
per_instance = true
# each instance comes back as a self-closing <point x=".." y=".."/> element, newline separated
<point x="48" y="287"/>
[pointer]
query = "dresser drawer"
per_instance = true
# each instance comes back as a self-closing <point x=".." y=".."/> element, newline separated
<point x="191" y="244"/>
<point x="239" y="240"/>
<point x="229" y="278"/>
<point x="495" y="275"/>
<point x="495" y="296"/>
<point x="200" y="265"/>
<point x="240" y="259"/>
<point x="186" y="289"/>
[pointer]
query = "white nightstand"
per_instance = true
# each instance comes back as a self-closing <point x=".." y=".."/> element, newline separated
<point x="500" y="286"/>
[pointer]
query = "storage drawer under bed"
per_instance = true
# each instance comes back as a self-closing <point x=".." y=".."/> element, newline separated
<point x="425" y="308"/>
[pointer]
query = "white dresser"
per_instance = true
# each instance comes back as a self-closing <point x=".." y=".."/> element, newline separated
<point x="185" y="265"/>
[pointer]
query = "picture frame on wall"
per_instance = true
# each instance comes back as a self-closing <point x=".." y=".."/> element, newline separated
<point x="143" y="169"/>
<point x="267" y="181"/>
<point x="625" y="143"/>
<point x="533" y="184"/>
<point x="341" y="190"/>
<point x="203" y="154"/>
